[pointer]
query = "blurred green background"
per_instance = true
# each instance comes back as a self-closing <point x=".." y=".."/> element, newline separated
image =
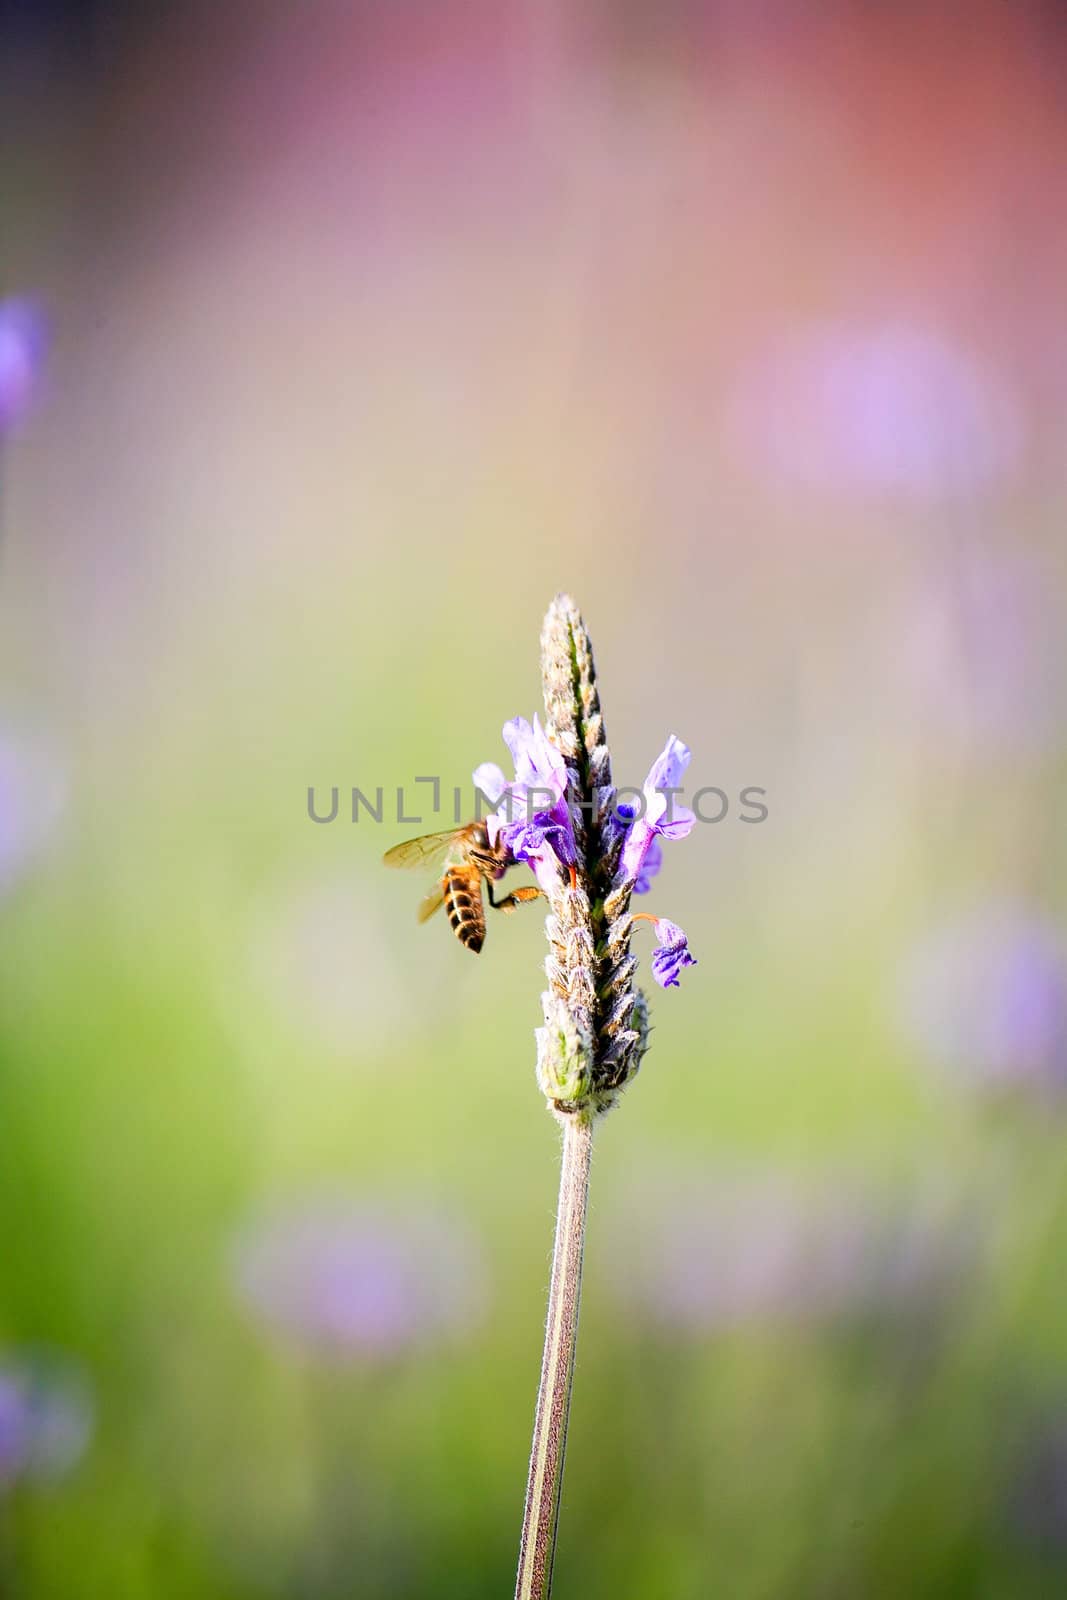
<point x="369" y="328"/>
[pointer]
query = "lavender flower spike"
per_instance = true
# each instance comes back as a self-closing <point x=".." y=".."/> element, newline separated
<point x="663" y="817"/>
<point x="595" y="1028"/>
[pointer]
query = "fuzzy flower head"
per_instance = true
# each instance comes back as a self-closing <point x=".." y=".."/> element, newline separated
<point x="533" y="819"/>
<point x="595" y="1030"/>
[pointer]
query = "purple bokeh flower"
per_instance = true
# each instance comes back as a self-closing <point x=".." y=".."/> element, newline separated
<point x="663" y="818"/>
<point x="347" y="1277"/>
<point x="888" y="406"/>
<point x="700" y="1253"/>
<point x="534" y="823"/>
<point x="23" y="337"/>
<point x="46" y="1417"/>
<point x="985" y="998"/>
<point x="668" y="961"/>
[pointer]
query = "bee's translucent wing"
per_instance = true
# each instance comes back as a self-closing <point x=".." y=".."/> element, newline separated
<point x="421" y="852"/>
<point x="430" y="903"/>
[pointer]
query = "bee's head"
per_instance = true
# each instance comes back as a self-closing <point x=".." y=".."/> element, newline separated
<point x="480" y="836"/>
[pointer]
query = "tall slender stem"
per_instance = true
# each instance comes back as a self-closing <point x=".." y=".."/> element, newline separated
<point x="538" y="1546"/>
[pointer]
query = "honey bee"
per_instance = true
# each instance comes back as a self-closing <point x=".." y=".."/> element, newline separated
<point x="468" y="859"/>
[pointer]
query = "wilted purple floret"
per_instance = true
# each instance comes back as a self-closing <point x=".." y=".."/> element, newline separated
<point x="986" y="998"/>
<point x="349" y="1278"/>
<point x="534" y="822"/>
<point x="664" y="817"/>
<point x="668" y="962"/>
<point x="22" y="346"/>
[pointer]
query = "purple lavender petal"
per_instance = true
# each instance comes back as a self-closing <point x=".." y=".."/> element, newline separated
<point x="680" y="822"/>
<point x="490" y="781"/>
<point x="666" y="772"/>
<point x="537" y="836"/>
<point x="525" y="840"/>
<point x="636" y="846"/>
<point x="669" y="767"/>
<point x="548" y="760"/>
<point x="540" y="845"/>
<point x="562" y="831"/>
<point x="650" y="866"/>
<point x="521" y="740"/>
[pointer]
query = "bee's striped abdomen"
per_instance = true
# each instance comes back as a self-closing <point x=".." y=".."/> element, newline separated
<point x="463" y="902"/>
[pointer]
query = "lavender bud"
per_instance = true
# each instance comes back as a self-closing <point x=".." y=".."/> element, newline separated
<point x="564" y="1054"/>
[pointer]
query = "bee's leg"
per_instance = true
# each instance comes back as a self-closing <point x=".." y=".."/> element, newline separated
<point x="517" y="897"/>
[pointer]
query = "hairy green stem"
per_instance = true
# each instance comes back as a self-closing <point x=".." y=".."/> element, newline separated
<point x="538" y="1546"/>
